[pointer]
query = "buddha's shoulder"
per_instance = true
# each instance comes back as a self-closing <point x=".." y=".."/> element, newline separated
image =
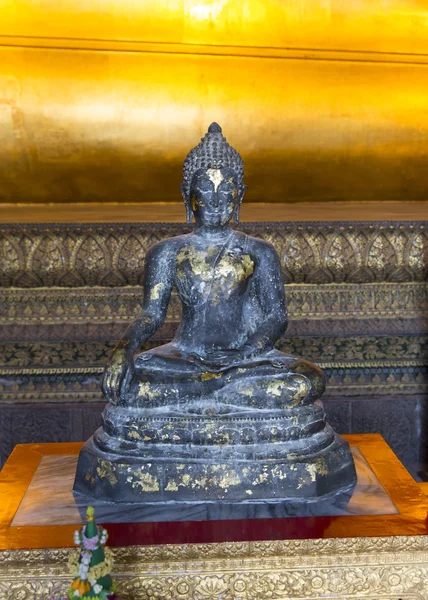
<point x="169" y="247"/>
<point x="260" y="247"/>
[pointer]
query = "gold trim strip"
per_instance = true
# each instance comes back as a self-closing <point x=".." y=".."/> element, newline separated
<point x="262" y="52"/>
<point x="324" y="365"/>
<point x="336" y="211"/>
<point x="381" y="568"/>
<point x="338" y="300"/>
<point x="52" y="371"/>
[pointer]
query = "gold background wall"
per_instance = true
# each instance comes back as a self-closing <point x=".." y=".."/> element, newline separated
<point x="325" y="99"/>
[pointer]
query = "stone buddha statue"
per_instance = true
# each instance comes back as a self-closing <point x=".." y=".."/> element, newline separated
<point x="217" y="422"/>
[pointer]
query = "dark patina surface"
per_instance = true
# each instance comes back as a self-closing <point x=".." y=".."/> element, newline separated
<point x="218" y="417"/>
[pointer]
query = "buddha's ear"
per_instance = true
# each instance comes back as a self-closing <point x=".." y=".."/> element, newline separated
<point x="186" y="200"/>
<point x="238" y="204"/>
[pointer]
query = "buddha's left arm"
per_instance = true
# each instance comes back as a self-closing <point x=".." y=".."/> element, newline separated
<point x="268" y="288"/>
<point x="158" y="283"/>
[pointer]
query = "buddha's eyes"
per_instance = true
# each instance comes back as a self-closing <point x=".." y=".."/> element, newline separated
<point x="204" y="185"/>
<point x="227" y="186"/>
<point x="228" y="182"/>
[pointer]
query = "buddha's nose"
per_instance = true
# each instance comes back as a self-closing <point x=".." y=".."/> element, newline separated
<point x="215" y="200"/>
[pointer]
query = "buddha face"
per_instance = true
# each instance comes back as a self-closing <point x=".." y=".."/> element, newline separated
<point x="214" y="196"/>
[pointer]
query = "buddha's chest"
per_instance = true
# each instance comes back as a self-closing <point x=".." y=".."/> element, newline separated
<point x="212" y="273"/>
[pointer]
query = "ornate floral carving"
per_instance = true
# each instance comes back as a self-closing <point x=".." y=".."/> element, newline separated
<point x="371" y="568"/>
<point x="121" y="305"/>
<point x="48" y="258"/>
<point x="11" y="259"/>
<point x="66" y="296"/>
<point x="334" y="351"/>
<point x="112" y="255"/>
<point x="360" y="365"/>
<point x="342" y="255"/>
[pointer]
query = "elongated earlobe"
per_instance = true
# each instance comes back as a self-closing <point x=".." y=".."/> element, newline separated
<point x="236" y="213"/>
<point x="189" y="212"/>
<point x="238" y="206"/>
<point x="186" y="200"/>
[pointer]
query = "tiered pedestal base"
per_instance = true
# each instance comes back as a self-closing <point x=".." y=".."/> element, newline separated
<point x="216" y="487"/>
<point x="376" y="547"/>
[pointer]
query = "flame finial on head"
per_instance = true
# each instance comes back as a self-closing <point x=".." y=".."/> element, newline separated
<point x="214" y="128"/>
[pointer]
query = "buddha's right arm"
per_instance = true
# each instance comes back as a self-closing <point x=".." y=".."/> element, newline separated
<point x="158" y="282"/>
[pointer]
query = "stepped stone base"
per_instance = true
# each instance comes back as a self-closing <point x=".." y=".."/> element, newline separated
<point x="170" y="487"/>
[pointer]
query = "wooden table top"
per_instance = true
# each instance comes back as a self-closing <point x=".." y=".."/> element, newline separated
<point x="404" y="492"/>
<point x="173" y="212"/>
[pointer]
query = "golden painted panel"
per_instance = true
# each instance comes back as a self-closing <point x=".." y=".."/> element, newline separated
<point x="368" y="25"/>
<point x="115" y="126"/>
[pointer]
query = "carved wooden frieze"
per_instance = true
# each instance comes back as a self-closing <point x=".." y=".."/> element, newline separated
<point x="112" y="255"/>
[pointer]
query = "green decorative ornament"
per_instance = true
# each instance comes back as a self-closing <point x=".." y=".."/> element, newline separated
<point x="92" y="563"/>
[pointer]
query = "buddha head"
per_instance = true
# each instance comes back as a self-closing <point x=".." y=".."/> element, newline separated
<point x="213" y="180"/>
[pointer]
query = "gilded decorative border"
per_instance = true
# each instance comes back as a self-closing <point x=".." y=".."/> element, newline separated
<point x="340" y="384"/>
<point x="120" y="305"/>
<point x="360" y="365"/>
<point x="381" y="568"/>
<point x="112" y="255"/>
<point x="50" y="358"/>
<point x="370" y="287"/>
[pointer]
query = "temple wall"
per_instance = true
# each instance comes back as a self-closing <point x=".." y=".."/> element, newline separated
<point x="99" y="102"/>
<point x="358" y="305"/>
<point x="326" y="100"/>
